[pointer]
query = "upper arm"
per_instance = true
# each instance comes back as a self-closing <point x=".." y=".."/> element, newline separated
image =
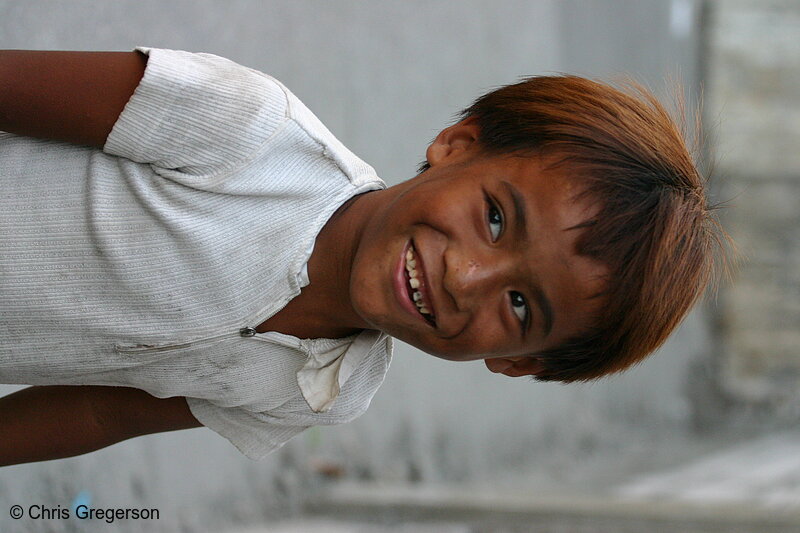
<point x="129" y="412"/>
<point x="67" y="96"/>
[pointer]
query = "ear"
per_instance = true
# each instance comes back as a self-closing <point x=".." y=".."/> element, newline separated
<point x="515" y="366"/>
<point x="453" y="142"/>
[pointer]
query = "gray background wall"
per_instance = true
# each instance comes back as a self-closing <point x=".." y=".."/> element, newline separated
<point x="386" y="77"/>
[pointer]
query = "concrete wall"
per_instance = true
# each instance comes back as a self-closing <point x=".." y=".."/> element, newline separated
<point x="754" y="102"/>
<point x="385" y="77"/>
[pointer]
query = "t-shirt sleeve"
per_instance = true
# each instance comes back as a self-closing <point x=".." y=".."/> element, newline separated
<point x="256" y="435"/>
<point x="197" y="113"/>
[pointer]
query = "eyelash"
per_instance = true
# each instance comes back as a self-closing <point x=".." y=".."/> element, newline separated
<point x="514" y="295"/>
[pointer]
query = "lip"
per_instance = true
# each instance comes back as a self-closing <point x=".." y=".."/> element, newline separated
<point x="400" y="291"/>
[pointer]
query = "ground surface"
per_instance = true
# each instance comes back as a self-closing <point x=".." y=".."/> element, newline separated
<point x="751" y="487"/>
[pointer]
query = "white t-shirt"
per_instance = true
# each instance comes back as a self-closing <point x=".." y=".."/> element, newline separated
<point x="144" y="264"/>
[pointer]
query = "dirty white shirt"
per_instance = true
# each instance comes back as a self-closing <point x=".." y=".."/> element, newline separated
<point x="149" y="263"/>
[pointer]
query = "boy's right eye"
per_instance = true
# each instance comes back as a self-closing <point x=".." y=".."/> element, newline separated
<point x="495" y="219"/>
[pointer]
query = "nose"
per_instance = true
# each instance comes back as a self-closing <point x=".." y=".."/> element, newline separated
<point x="473" y="276"/>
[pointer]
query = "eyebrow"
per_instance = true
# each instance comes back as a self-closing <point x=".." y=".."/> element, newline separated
<point x="521" y="220"/>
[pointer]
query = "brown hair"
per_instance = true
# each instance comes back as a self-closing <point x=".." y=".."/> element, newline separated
<point x="653" y="227"/>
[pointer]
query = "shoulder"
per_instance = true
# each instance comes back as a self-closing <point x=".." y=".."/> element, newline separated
<point x="198" y="114"/>
<point x="190" y="74"/>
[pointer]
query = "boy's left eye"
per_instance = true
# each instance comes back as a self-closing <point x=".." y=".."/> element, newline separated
<point x="518" y="302"/>
<point x="495" y="217"/>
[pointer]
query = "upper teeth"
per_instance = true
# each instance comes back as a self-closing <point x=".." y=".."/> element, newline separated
<point x="411" y="268"/>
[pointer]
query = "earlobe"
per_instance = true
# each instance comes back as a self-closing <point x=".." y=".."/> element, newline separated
<point x="515" y="366"/>
<point x="453" y="141"/>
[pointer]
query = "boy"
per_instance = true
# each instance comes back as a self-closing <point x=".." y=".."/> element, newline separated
<point x="224" y="261"/>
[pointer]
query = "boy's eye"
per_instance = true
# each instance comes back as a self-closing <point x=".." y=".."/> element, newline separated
<point x="518" y="304"/>
<point x="520" y="307"/>
<point x="495" y="219"/>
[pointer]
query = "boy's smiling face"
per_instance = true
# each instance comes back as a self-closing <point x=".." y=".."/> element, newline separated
<point x="493" y="254"/>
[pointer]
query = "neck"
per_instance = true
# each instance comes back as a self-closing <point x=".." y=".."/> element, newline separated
<point x="330" y="265"/>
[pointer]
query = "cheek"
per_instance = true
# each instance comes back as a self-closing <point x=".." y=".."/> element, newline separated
<point x="472" y="345"/>
<point x="447" y="350"/>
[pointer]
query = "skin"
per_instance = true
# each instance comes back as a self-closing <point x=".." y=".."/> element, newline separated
<point x="471" y="266"/>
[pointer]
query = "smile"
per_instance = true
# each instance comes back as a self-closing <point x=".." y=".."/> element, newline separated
<point x="413" y="292"/>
